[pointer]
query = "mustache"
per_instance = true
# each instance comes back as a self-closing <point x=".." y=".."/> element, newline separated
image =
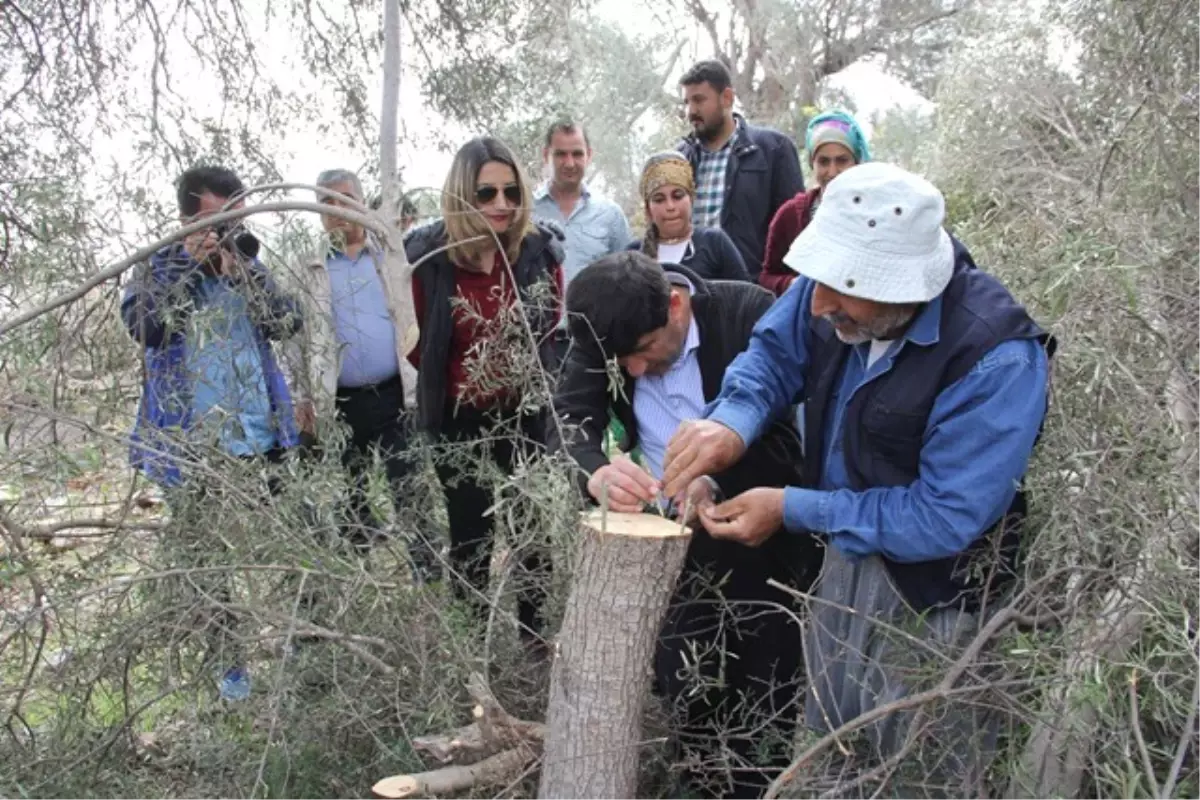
<point x="839" y="318"/>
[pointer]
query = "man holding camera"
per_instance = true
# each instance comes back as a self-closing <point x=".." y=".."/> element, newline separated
<point x="205" y="310"/>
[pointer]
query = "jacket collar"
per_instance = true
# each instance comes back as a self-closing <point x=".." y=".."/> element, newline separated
<point x="545" y="235"/>
<point x="926" y="329"/>
<point x="171" y="254"/>
<point x="700" y="289"/>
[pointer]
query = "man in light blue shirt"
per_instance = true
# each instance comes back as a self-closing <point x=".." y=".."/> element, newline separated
<point x="353" y="357"/>
<point x="594" y="225"/>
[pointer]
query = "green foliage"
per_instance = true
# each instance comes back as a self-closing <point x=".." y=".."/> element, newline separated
<point x="1075" y="182"/>
<point x="558" y="65"/>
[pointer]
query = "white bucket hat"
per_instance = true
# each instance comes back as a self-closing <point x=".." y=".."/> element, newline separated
<point x="877" y="235"/>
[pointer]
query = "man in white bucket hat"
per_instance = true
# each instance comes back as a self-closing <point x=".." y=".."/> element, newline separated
<point x="924" y="385"/>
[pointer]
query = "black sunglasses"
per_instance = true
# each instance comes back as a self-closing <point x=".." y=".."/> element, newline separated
<point x="486" y="194"/>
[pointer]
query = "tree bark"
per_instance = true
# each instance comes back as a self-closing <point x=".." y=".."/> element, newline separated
<point x="389" y="206"/>
<point x="628" y="567"/>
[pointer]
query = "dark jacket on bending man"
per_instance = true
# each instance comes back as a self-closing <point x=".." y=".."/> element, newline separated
<point x="672" y="335"/>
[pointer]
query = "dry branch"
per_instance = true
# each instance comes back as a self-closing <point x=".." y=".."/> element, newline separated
<point x="103" y="527"/>
<point x="496" y="748"/>
<point x="446" y="748"/>
<point x="108" y="273"/>
<point x="492" y="771"/>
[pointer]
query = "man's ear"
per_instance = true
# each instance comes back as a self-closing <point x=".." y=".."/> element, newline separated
<point x="545" y="154"/>
<point x="727" y="97"/>
<point x="675" y="304"/>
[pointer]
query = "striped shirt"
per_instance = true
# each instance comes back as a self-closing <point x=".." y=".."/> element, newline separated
<point x="710" y="184"/>
<point x="662" y="402"/>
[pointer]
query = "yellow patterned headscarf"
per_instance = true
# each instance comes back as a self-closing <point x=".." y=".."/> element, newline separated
<point x="667" y="168"/>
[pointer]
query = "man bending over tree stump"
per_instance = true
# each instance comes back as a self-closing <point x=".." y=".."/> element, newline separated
<point x="729" y="657"/>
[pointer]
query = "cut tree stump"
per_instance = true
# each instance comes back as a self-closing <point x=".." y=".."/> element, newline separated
<point x="628" y="567"/>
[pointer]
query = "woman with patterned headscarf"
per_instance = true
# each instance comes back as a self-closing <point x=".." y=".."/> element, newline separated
<point x="668" y="189"/>
<point x="834" y="143"/>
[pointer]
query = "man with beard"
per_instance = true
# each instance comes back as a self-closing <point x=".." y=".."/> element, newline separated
<point x="924" y="385"/>
<point x="744" y="173"/>
<point x="729" y="657"/>
<point x="594" y="226"/>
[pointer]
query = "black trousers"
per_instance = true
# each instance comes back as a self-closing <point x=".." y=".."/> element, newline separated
<point x="730" y="662"/>
<point x="374" y="415"/>
<point x="488" y="436"/>
<point x="377" y="421"/>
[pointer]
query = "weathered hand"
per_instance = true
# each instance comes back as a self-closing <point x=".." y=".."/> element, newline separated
<point x="629" y="486"/>
<point x="700" y="497"/>
<point x="699" y="447"/>
<point x="750" y="518"/>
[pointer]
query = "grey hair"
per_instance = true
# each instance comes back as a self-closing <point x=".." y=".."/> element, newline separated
<point x="331" y="176"/>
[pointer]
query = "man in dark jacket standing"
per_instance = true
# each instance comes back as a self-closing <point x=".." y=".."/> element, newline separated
<point x="729" y="657"/>
<point x="924" y="384"/>
<point x="744" y="173"/>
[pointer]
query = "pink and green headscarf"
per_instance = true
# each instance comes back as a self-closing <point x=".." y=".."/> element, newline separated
<point x="838" y="127"/>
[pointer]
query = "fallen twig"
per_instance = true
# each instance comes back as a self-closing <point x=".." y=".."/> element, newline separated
<point x="105" y="527"/>
<point x="497" y="769"/>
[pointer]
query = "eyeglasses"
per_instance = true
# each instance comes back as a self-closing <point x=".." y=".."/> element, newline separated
<point x="486" y="194"/>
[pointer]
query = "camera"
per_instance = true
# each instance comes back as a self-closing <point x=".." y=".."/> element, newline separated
<point x="239" y="241"/>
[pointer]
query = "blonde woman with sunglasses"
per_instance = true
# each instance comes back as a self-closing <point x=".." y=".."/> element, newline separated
<point x="486" y="276"/>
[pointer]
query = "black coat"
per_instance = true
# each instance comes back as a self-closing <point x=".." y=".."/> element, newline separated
<point x="763" y="174"/>
<point x="712" y="255"/>
<point x="541" y="254"/>
<point x="725" y="314"/>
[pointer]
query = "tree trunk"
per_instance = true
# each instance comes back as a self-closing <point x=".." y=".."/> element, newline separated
<point x="389" y="206"/>
<point x="628" y="567"/>
<point x="390" y="111"/>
